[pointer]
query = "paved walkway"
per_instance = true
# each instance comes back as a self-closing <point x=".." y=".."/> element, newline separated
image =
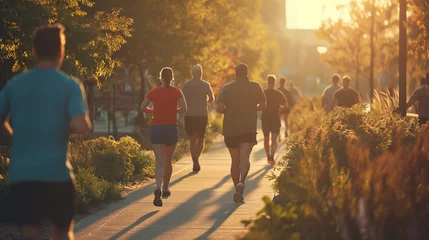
<point x="200" y="207"/>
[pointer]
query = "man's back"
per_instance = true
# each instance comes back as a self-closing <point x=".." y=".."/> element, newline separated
<point x="421" y="95"/>
<point x="41" y="104"/>
<point x="328" y="96"/>
<point x="288" y="95"/>
<point x="346" y="97"/>
<point x="241" y="98"/>
<point x="196" y="92"/>
<point x="275" y="99"/>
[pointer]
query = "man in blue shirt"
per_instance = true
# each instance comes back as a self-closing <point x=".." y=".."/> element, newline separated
<point x="43" y="106"/>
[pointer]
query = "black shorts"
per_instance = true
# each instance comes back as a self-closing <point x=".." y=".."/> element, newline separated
<point x="270" y="128"/>
<point x="285" y="111"/>
<point x="164" y="134"/>
<point x="196" y="125"/>
<point x="235" y="141"/>
<point x="35" y="202"/>
<point x="423" y="120"/>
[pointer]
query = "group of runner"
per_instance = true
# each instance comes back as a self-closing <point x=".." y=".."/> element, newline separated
<point x="42" y="106"/>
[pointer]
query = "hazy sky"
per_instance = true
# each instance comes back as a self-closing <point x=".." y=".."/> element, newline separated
<point x="307" y="14"/>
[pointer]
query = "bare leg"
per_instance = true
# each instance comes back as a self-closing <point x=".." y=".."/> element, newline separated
<point x="159" y="150"/>
<point x="235" y="165"/>
<point x="193" y="139"/>
<point x="168" y="168"/>
<point x="245" y="150"/>
<point x="286" y="120"/>
<point x="63" y="234"/>
<point x="267" y="145"/>
<point x="29" y="232"/>
<point x="274" y="137"/>
<point x="199" y="147"/>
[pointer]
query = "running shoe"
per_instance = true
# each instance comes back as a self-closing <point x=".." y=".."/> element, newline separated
<point x="196" y="167"/>
<point x="166" y="194"/>
<point x="157" y="201"/>
<point x="238" y="195"/>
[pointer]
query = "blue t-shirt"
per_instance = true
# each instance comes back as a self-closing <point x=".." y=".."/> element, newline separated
<point x="41" y="103"/>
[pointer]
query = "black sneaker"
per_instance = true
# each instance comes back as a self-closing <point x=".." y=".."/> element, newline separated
<point x="196" y="167"/>
<point x="157" y="201"/>
<point x="166" y="194"/>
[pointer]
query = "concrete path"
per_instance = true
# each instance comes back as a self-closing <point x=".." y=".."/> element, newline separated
<point x="200" y="207"/>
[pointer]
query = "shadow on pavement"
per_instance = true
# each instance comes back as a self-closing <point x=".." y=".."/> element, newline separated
<point x="125" y="203"/>
<point x="186" y="211"/>
<point x="136" y="223"/>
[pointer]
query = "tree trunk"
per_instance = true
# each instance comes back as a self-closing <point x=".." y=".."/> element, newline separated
<point x="141" y="117"/>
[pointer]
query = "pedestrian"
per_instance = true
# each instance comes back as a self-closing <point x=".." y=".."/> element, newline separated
<point x="346" y="96"/>
<point x="167" y="102"/>
<point x="295" y="92"/>
<point x="197" y="93"/>
<point x="421" y="96"/>
<point x="239" y="101"/>
<point x="270" y="118"/>
<point x="44" y="106"/>
<point x="328" y="93"/>
<point x="286" y="111"/>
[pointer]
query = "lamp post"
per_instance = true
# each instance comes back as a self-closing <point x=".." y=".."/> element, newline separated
<point x="322" y="51"/>
<point x="402" y="57"/>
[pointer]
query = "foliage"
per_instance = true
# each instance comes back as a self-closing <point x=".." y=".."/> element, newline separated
<point x="349" y="52"/>
<point x="217" y="34"/>
<point x="348" y="173"/>
<point x="92" y="39"/>
<point x="93" y="190"/>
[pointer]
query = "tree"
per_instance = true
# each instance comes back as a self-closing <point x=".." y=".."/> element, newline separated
<point x="91" y="39"/>
<point x="350" y="46"/>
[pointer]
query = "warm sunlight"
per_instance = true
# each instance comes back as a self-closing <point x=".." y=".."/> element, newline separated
<point x="307" y="14"/>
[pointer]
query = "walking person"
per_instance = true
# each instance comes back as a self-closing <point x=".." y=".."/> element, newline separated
<point x="286" y="111"/>
<point x="239" y="101"/>
<point x="167" y="102"/>
<point x="270" y="118"/>
<point x="197" y="93"/>
<point x="328" y="93"/>
<point x="421" y="97"/>
<point x="346" y="96"/>
<point x="44" y="106"/>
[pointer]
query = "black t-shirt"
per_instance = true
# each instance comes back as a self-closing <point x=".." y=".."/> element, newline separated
<point x="275" y="99"/>
<point x="346" y="97"/>
<point x="288" y="95"/>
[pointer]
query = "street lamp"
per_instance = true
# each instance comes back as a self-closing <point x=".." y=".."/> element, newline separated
<point x="322" y="50"/>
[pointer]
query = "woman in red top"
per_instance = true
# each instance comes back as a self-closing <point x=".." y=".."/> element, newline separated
<point x="167" y="102"/>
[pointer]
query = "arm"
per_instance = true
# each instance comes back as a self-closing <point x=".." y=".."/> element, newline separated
<point x="221" y="107"/>
<point x="183" y="107"/>
<point x="80" y="122"/>
<point x="413" y="99"/>
<point x="144" y="108"/>
<point x="262" y="99"/>
<point x="5" y="110"/>
<point x="221" y="101"/>
<point x="210" y="95"/>
<point x="334" y="103"/>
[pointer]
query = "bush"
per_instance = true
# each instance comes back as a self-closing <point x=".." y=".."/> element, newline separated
<point x="92" y="190"/>
<point x="142" y="160"/>
<point x="347" y="175"/>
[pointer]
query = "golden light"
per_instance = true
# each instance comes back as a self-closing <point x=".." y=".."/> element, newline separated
<point x="322" y="50"/>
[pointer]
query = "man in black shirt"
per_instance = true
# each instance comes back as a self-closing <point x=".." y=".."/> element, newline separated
<point x="345" y="96"/>
<point x="271" y="117"/>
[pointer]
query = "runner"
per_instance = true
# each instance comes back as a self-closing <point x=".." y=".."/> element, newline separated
<point x="328" y="93"/>
<point x="44" y="106"/>
<point x="345" y="96"/>
<point x="197" y="93"/>
<point x="271" y="117"/>
<point x="286" y="111"/>
<point x="167" y="102"/>
<point x="421" y="96"/>
<point x="239" y="101"/>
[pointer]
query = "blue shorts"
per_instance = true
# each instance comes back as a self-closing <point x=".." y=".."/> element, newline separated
<point x="164" y="134"/>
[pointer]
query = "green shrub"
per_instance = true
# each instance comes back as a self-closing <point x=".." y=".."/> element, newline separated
<point x="348" y="173"/>
<point x="142" y="160"/>
<point x="92" y="190"/>
<point x="113" y="166"/>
